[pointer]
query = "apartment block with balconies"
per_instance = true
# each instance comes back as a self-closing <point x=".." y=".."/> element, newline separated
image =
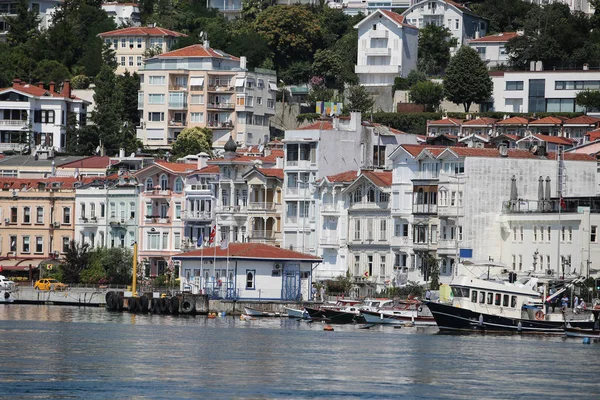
<point x="198" y="86"/>
<point x="44" y="8"/>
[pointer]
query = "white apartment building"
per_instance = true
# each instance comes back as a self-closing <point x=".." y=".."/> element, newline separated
<point x="131" y="45"/>
<point x="355" y="7"/>
<point x="492" y="48"/>
<point x="460" y="20"/>
<point x="45" y="9"/>
<point x="444" y="202"/>
<point x="539" y="90"/>
<point x="583" y="6"/>
<point x="198" y="86"/>
<point x="35" y="117"/>
<point x="124" y="14"/>
<point x="387" y="48"/>
<point x="107" y="212"/>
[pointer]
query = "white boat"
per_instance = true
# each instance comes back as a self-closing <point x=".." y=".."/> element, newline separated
<point x="7" y="289"/>
<point x="252" y="312"/>
<point x="397" y="317"/>
<point x="294" y="313"/>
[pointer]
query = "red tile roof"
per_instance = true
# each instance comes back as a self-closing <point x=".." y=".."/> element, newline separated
<point x="90" y="162"/>
<point x="502" y="37"/>
<point x="397" y="18"/>
<point x="211" y="169"/>
<point x="416" y="149"/>
<point x="258" y="251"/>
<point x="513" y="121"/>
<point x="509" y="136"/>
<point x="593" y="135"/>
<point x="480" y="121"/>
<point x="324" y="125"/>
<point x="346" y="176"/>
<point x="555" y="139"/>
<point x="176" y="168"/>
<point x="142" y="31"/>
<point x="446" y="121"/>
<point x="582" y="120"/>
<point x="197" y="50"/>
<point x="379" y="178"/>
<point x="271" y="158"/>
<point x="272" y="172"/>
<point x="573" y="156"/>
<point x="35" y="90"/>
<point x="547" y="121"/>
<point x="32" y="183"/>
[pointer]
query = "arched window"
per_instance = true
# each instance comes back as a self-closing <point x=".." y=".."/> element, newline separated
<point x="371" y="195"/>
<point x="358" y="195"/>
<point x="164" y="182"/>
<point x="149" y="184"/>
<point x="178" y="185"/>
<point x="420" y="196"/>
<point x="250" y="279"/>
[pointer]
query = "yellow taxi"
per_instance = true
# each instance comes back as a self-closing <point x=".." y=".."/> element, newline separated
<point x="49" y="284"/>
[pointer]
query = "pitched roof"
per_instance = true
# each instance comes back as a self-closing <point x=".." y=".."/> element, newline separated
<point x="32" y="183"/>
<point x="176" y="168"/>
<point x="271" y="158"/>
<point x="272" y="172"/>
<point x="582" y="120"/>
<point x="197" y="50"/>
<point x="513" y="121"/>
<point x="502" y="37"/>
<point x="573" y="156"/>
<point x="514" y="138"/>
<point x="142" y="31"/>
<point x="593" y="135"/>
<point x="90" y="162"/>
<point x="322" y="124"/>
<point x="346" y="176"/>
<point x="446" y="121"/>
<point x="37" y="91"/>
<point x="547" y="121"/>
<point x="416" y="149"/>
<point x="211" y="169"/>
<point x="480" y="121"/>
<point x="379" y="178"/>
<point x="555" y="139"/>
<point x="258" y="251"/>
<point x="397" y="18"/>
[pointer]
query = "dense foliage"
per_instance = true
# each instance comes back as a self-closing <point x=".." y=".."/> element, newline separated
<point x="427" y="94"/>
<point x="192" y="141"/>
<point x="467" y="80"/>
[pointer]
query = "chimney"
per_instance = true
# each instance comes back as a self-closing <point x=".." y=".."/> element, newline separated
<point x="503" y="148"/>
<point x="52" y="86"/>
<point x="355" y="121"/>
<point x="202" y="160"/>
<point x="335" y="122"/>
<point x="41" y="85"/>
<point x="539" y="66"/>
<point x="586" y="67"/>
<point x="243" y="62"/>
<point x="121" y="152"/>
<point x="206" y="44"/>
<point x="16" y="82"/>
<point x="67" y="88"/>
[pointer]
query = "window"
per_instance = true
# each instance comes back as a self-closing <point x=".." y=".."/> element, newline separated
<point x="259" y="101"/>
<point x="357" y="196"/>
<point x="514" y="233"/>
<point x="383" y="229"/>
<point x="520" y="262"/>
<point x="139" y="43"/>
<point x="480" y="50"/>
<point x="535" y="233"/>
<point x="381" y="265"/>
<point x="549" y="237"/>
<point x="593" y="233"/>
<point x="156" y="116"/>
<point x="434" y="233"/>
<point x="497" y="299"/>
<point x="131" y="61"/>
<point x="197" y="99"/>
<point x="40" y="215"/>
<point x="149" y="184"/>
<point x="178" y="185"/>
<point x="156" y="80"/>
<point x="165" y="240"/>
<point x="514" y="85"/>
<point x="25" y="248"/>
<point x="357" y="229"/>
<point x="197" y="117"/>
<point x="490" y="298"/>
<point x="521" y="232"/>
<point x="152" y="241"/>
<point x="65" y="244"/>
<point x="371" y="195"/>
<point x="370" y="265"/>
<point x="122" y="61"/>
<point x="13" y="243"/>
<point x="93" y="210"/>
<point x="177" y="211"/>
<point x="514" y="262"/>
<point x="26" y="215"/>
<point x="481" y="297"/>
<point x="474" y="296"/>
<point x="156" y="98"/>
<point x="139" y="61"/>
<point x="132" y="210"/>
<point x="456" y="23"/>
<point x="39" y="244"/>
<point x="177" y="240"/>
<point x="505" y="300"/>
<point x="250" y="274"/>
<point x="270" y="103"/>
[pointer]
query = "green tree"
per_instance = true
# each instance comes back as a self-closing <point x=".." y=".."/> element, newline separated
<point x="427" y="94"/>
<point x="127" y="88"/>
<point x="246" y="42"/>
<point x="504" y="15"/>
<point x="413" y="77"/>
<point x="590" y="99"/>
<point x="50" y="70"/>
<point x="23" y="26"/>
<point x="346" y="47"/>
<point x="467" y="80"/>
<point x="76" y="260"/>
<point x="251" y="8"/>
<point x="192" y="141"/>
<point x="118" y="264"/>
<point x="359" y="100"/>
<point x="328" y="64"/>
<point x="319" y="93"/>
<point x="434" y="48"/>
<point x="80" y="82"/>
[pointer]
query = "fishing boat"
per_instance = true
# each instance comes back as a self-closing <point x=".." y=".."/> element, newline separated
<point x="341" y="317"/>
<point x="482" y="305"/>
<point x="397" y="317"/>
<point x="294" y="313"/>
<point x="315" y="314"/>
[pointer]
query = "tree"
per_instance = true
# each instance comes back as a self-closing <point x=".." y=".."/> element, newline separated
<point x="192" y="141"/>
<point x="50" y="70"/>
<point x="359" y="100"/>
<point x="251" y="8"/>
<point x="328" y="64"/>
<point x="118" y="264"/>
<point x="413" y="77"/>
<point x="467" y="80"/>
<point x="504" y="15"/>
<point x="428" y="94"/>
<point x="76" y="260"/>
<point x="24" y="25"/>
<point x="590" y="99"/>
<point x="434" y="48"/>
<point x="80" y="82"/>
<point x="246" y="42"/>
<point x="319" y="93"/>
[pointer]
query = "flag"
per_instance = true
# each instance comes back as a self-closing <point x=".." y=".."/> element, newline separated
<point x="224" y="244"/>
<point x="200" y="240"/>
<point x="213" y="232"/>
<point x="562" y="203"/>
<point x="366" y="274"/>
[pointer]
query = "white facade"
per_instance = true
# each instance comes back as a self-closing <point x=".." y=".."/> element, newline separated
<point x="35" y="117"/>
<point x="124" y="14"/>
<point x="575" y="5"/>
<point x="541" y="91"/>
<point x="45" y="8"/>
<point x="387" y="48"/>
<point x="492" y="49"/>
<point x="355" y="7"/>
<point x="107" y="213"/>
<point x="201" y="87"/>
<point x="462" y="22"/>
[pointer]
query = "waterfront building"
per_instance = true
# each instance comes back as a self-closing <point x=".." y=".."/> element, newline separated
<point x="161" y="207"/>
<point x="132" y="45"/>
<point x="443" y="200"/>
<point x="107" y="212"/>
<point x="463" y="23"/>
<point x="387" y="48"/>
<point x="492" y="49"/>
<point x="355" y="7"/>
<point x="198" y="86"/>
<point x="248" y="271"/>
<point x="44" y="8"/>
<point x="124" y="14"/>
<point x="38" y="219"/>
<point x="30" y="167"/>
<point x="33" y="117"/>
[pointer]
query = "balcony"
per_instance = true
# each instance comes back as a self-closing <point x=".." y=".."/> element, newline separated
<point x="231" y="209"/>
<point x="330" y="209"/>
<point x="178" y="105"/>
<point x="370" y="206"/>
<point x="401" y="241"/>
<point x="220" y="106"/>
<point x="119" y="221"/>
<point x="12" y="146"/>
<point x="450" y="211"/>
<point x="378" y="51"/>
<point x="156" y="219"/>
<point x="383" y="69"/>
<point x="379" y="34"/>
<point x="424" y="208"/>
<point x="157" y="192"/>
<point x="263" y="234"/>
<point x="447" y="244"/>
<point x="177" y="123"/>
<point x="177" y="88"/>
<point x="220" y="125"/>
<point x="541" y="206"/>
<point x="199" y="187"/>
<point x="197" y="216"/>
<point x="13" y="123"/>
<point x="220" y="89"/>
<point x="262" y="206"/>
<point x="437" y="11"/>
<point x="331" y="240"/>
<point x="426" y="176"/>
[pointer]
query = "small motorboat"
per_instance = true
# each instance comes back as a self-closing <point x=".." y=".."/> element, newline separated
<point x="340" y="317"/>
<point x="582" y="333"/>
<point x="252" y="312"/>
<point x="295" y="313"/>
<point x="392" y="317"/>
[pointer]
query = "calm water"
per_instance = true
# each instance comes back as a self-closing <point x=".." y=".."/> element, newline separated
<point x="58" y="352"/>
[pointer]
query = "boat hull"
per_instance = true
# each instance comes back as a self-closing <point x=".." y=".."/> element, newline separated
<point x="374" y="317"/>
<point x="254" y="313"/>
<point x="582" y="333"/>
<point x="339" y="317"/>
<point x="6" y="296"/>
<point x="455" y="319"/>
<point x="293" y="313"/>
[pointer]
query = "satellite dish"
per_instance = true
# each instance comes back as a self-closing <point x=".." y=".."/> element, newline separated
<point x="202" y="35"/>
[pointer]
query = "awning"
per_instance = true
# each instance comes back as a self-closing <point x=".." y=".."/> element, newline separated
<point x="155" y="133"/>
<point x="19" y="264"/>
<point x="272" y="86"/>
<point x="239" y="82"/>
<point x="197" y="81"/>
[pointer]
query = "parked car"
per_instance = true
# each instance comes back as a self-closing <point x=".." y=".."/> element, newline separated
<point x="5" y="283"/>
<point x="49" y="284"/>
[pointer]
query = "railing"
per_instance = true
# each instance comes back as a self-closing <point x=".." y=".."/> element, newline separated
<point x="221" y="105"/>
<point x="178" y="123"/>
<point x="424" y="208"/>
<point x="425" y="175"/>
<point x="330" y="240"/>
<point x="447" y="243"/>
<point x="450" y="211"/>
<point x="178" y="87"/>
<point x="330" y="208"/>
<point x="222" y="125"/>
<point x="261" y="206"/>
<point x="262" y="234"/>
<point x="157" y="192"/>
<point x="197" y="215"/>
<point x="376" y="205"/>
<point x="401" y="241"/>
<point x="177" y="105"/>
<point x="12" y="146"/>
<point x="13" y="122"/>
<point x="215" y="88"/>
<point x="198" y="187"/>
<point x="533" y="206"/>
<point x="156" y="219"/>
<point x="231" y="209"/>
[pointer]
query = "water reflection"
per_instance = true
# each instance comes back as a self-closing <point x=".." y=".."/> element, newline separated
<point x="88" y="352"/>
